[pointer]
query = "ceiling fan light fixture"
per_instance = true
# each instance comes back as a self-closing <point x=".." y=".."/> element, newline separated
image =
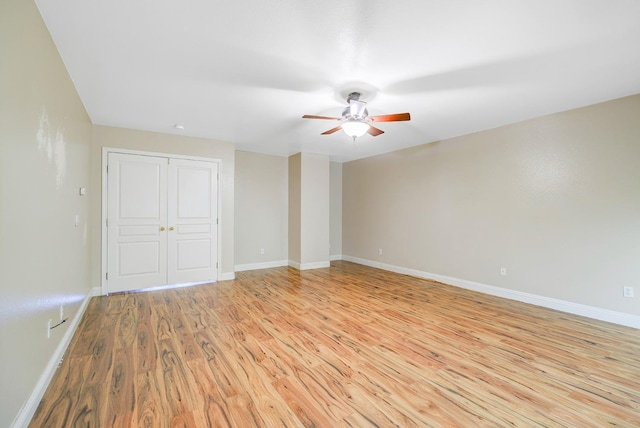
<point x="355" y="128"/>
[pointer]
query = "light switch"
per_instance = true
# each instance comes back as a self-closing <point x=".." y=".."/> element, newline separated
<point x="77" y="220"/>
<point x="83" y="191"/>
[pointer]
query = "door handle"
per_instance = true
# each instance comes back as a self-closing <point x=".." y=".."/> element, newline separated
<point x="170" y="227"/>
<point x="161" y="228"/>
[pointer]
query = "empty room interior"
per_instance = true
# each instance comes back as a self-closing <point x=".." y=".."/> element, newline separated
<point x="319" y="214"/>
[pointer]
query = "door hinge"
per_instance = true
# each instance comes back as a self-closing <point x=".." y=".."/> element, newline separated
<point x="107" y="222"/>
<point x="216" y="221"/>
<point x="107" y="168"/>
<point x="216" y="265"/>
<point x="106" y="275"/>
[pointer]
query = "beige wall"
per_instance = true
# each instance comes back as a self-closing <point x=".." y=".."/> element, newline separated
<point x="309" y="187"/>
<point x="335" y="208"/>
<point x="262" y="208"/>
<point x="314" y="206"/>
<point x="45" y="137"/>
<point x="294" y="207"/>
<point x="555" y="200"/>
<point x="261" y="213"/>
<point x="104" y="136"/>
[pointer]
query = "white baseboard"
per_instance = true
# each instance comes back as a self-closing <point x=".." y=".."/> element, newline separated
<point x="31" y="405"/>
<point x="294" y="264"/>
<point x="307" y="266"/>
<point x="534" y="299"/>
<point x="315" y="265"/>
<point x="335" y="257"/>
<point x="226" y="276"/>
<point x="264" y="265"/>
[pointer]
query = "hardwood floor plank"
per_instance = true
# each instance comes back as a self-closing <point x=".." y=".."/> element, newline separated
<point x="145" y="347"/>
<point x="90" y="410"/>
<point x="211" y="404"/>
<point x="183" y="420"/>
<point x="126" y="328"/>
<point x="303" y="406"/>
<point x="344" y="346"/>
<point x="244" y="413"/>
<point x="121" y="397"/>
<point x="150" y="397"/>
<point x="176" y="379"/>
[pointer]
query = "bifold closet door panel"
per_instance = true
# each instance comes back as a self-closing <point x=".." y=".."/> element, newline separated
<point x="192" y="213"/>
<point x="137" y="219"/>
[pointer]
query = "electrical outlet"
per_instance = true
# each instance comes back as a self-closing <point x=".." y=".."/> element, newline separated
<point x="262" y="251"/>
<point x="627" y="291"/>
<point x="503" y="271"/>
<point x="380" y="251"/>
<point x="61" y="312"/>
<point x="49" y="324"/>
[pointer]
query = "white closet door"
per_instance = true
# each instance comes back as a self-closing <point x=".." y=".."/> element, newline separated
<point x="137" y="219"/>
<point x="192" y="205"/>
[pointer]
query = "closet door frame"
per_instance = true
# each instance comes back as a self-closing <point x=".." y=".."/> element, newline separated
<point x="104" y="215"/>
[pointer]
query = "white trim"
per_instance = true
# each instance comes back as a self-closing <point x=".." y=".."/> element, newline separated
<point x="314" y="265"/>
<point x="226" y="276"/>
<point x="335" y="257"/>
<point x="307" y="266"/>
<point x="294" y="264"/>
<point x="547" y="302"/>
<point x="106" y="149"/>
<point x="103" y="220"/>
<point x="263" y="265"/>
<point x="29" y="408"/>
<point x="103" y="228"/>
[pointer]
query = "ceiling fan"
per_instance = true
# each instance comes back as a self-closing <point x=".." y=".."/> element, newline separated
<point x="356" y="120"/>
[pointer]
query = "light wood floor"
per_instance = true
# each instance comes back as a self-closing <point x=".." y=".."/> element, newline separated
<point x="343" y="346"/>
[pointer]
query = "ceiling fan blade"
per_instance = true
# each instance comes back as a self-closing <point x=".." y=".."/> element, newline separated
<point x="397" y="117"/>
<point x="310" y="116"/>
<point x="374" y="131"/>
<point x="332" y="130"/>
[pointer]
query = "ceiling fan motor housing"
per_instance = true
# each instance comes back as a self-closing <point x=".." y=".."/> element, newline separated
<point x="357" y="110"/>
<point x="351" y="113"/>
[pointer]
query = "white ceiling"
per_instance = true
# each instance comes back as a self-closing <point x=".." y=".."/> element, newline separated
<point x="246" y="71"/>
